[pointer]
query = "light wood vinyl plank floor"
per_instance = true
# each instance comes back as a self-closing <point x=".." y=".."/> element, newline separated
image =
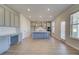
<point x="41" y="47"/>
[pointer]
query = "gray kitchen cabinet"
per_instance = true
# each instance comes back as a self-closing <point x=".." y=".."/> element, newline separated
<point x="1" y="16"/>
<point x="16" y="21"/>
<point x="7" y="17"/>
<point x="12" y="19"/>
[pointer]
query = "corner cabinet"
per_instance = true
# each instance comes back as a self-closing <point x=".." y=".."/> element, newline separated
<point x="1" y="16"/>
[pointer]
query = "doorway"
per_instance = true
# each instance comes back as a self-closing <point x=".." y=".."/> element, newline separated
<point x="63" y="23"/>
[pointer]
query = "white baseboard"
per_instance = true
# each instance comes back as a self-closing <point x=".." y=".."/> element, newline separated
<point x="72" y="46"/>
<point x="65" y="42"/>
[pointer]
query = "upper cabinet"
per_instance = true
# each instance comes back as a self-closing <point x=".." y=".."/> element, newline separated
<point x="12" y="19"/>
<point x="1" y="16"/>
<point x="16" y="21"/>
<point x="7" y="18"/>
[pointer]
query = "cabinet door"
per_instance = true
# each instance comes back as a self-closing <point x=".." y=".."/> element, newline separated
<point x="7" y="18"/>
<point x="12" y="20"/>
<point x="1" y="16"/>
<point x="16" y="21"/>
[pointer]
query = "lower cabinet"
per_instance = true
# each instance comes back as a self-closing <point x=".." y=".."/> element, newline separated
<point x="14" y="39"/>
<point x="4" y="44"/>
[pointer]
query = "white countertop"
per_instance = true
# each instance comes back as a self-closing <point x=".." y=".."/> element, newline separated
<point x="39" y="31"/>
<point x="1" y="35"/>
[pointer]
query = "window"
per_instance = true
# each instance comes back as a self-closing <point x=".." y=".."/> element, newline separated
<point x="53" y="27"/>
<point x="74" y="25"/>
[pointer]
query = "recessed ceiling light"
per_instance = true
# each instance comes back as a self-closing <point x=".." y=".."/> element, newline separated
<point x="28" y="9"/>
<point x="40" y="16"/>
<point x="50" y="16"/>
<point x="48" y="9"/>
<point x="29" y="16"/>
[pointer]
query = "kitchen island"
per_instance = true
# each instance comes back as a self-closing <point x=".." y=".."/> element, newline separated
<point x="40" y="35"/>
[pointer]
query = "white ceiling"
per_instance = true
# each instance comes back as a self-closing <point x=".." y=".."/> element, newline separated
<point x="37" y="10"/>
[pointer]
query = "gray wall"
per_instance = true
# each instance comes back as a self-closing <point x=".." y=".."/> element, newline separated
<point x="65" y="16"/>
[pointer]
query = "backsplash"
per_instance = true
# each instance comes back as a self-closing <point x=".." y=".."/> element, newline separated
<point x="7" y="30"/>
